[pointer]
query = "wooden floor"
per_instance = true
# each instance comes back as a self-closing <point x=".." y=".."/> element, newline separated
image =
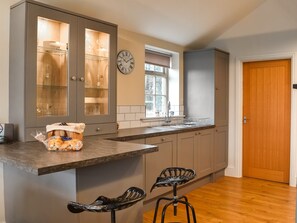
<point x="238" y="200"/>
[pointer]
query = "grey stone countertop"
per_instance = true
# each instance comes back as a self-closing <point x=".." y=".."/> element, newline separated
<point x="34" y="158"/>
<point x="144" y="132"/>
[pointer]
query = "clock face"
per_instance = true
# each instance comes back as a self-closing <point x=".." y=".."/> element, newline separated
<point x="125" y="62"/>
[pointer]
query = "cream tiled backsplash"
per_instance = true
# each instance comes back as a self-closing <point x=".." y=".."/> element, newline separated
<point x="131" y="116"/>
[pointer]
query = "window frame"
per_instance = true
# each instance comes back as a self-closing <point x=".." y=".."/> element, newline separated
<point x="164" y="74"/>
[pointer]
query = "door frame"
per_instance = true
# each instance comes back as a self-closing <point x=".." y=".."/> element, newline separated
<point x="235" y="169"/>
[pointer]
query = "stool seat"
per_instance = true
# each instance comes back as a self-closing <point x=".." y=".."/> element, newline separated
<point x="174" y="176"/>
<point x="105" y="204"/>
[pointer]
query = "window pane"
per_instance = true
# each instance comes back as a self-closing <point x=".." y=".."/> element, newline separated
<point x="149" y="84"/>
<point x="149" y="103"/>
<point x="160" y="85"/>
<point x="160" y="104"/>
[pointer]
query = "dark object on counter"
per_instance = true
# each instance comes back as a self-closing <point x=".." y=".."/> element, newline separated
<point x="6" y="133"/>
<point x="105" y="204"/>
<point x="174" y="176"/>
<point x="295" y="86"/>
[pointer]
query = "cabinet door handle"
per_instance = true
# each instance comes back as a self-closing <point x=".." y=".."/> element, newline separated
<point x="98" y="129"/>
<point x="82" y="79"/>
<point x="163" y="139"/>
<point x="73" y="78"/>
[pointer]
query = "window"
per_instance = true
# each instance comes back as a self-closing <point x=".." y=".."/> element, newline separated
<point x="156" y="90"/>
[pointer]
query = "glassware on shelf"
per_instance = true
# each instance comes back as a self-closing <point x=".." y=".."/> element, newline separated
<point x="96" y="72"/>
<point x="52" y="63"/>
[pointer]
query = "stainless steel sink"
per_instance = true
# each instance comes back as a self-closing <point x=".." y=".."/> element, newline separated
<point x="176" y="126"/>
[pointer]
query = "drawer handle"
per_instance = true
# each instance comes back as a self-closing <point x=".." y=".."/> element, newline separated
<point x="163" y="139"/>
<point x="98" y="129"/>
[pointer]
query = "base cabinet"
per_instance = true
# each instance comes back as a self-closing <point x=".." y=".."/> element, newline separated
<point x="186" y="149"/>
<point x="204" y="153"/>
<point x="195" y="151"/>
<point x="220" y="148"/>
<point x="156" y="162"/>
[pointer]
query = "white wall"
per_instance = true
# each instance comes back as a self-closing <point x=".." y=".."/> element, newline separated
<point x="270" y="32"/>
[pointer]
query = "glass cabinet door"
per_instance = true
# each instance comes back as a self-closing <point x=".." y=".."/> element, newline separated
<point x="96" y="72"/>
<point x="52" y="68"/>
<point x="96" y="68"/>
<point x="51" y="60"/>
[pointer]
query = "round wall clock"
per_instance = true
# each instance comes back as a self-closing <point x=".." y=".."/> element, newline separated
<point x="125" y="62"/>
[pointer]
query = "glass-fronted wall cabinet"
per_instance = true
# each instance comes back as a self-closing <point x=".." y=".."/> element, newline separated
<point x="62" y="69"/>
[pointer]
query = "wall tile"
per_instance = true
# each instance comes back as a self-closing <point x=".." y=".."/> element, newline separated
<point x="124" y="109"/>
<point x="130" y="117"/>
<point x="135" y="108"/>
<point x="120" y="117"/>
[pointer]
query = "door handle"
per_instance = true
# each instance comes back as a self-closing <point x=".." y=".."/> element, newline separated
<point x="245" y="119"/>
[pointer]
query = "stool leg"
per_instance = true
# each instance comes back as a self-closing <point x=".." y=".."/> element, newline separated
<point x="187" y="207"/>
<point x="157" y="207"/>
<point x="192" y="208"/>
<point x="175" y="199"/>
<point x="193" y="212"/>
<point x="164" y="210"/>
<point x="113" y="218"/>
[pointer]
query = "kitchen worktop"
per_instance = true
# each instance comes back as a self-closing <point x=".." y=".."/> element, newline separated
<point x="33" y="157"/>
<point x="144" y="132"/>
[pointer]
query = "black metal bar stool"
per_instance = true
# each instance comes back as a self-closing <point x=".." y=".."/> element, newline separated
<point x="174" y="176"/>
<point x="105" y="204"/>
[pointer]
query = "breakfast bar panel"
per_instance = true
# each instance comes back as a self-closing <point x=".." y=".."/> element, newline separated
<point x="32" y="198"/>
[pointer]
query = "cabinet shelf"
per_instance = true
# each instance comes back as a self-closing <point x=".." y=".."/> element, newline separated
<point x="97" y="88"/>
<point x="52" y="51"/>
<point x="96" y="57"/>
<point x="93" y="100"/>
<point x="48" y="86"/>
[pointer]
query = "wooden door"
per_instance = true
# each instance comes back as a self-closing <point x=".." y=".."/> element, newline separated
<point x="266" y="130"/>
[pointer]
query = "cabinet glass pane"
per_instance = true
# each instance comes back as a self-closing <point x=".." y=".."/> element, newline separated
<point x="52" y="67"/>
<point x="96" y="72"/>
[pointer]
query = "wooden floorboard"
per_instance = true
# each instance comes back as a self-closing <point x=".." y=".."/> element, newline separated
<point x="238" y="200"/>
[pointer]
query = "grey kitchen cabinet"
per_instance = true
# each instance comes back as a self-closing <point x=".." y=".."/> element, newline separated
<point x="204" y="153"/>
<point x="185" y="150"/>
<point x="207" y="94"/>
<point x="199" y="90"/>
<point x="221" y="88"/>
<point x="206" y="85"/>
<point x="156" y="162"/>
<point x="220" y="148"/>
<point x="62" y="69"/>
<point x="195" y="151"/>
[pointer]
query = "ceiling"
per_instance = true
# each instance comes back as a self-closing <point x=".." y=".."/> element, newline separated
<point x="189" y="23"/>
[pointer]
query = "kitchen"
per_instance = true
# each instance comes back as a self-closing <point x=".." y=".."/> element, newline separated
<point x="269" y="37"/>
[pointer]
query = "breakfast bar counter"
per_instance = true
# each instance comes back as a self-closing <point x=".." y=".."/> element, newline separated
<point x="33" y="157"/>
<point x="39" y="183"/>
